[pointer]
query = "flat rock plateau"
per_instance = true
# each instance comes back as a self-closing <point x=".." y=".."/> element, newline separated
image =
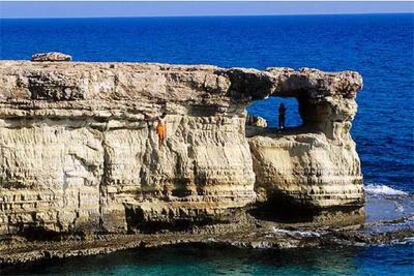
<point x="82" y="170"/>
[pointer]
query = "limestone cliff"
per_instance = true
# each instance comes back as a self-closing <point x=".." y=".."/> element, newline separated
<point x="78" y="150"/>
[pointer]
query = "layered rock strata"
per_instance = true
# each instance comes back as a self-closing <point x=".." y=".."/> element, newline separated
<point x="78" y="150"/>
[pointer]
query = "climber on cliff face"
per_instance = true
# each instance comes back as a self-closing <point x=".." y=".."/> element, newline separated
<point x="282" y="116"/>
<point x="161" y="129"/>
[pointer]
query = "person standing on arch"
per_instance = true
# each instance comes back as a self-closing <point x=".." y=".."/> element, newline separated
<point x="282" y="116"/>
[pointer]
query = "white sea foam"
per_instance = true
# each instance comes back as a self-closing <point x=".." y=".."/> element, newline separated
<point x="399" y="207"/>
<point x="409" y="240"/>
<point x="296" y="232"/>
<point x="382" y="190"/>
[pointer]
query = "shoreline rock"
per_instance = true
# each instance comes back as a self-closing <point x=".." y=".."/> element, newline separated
<point x="258" y="235"/>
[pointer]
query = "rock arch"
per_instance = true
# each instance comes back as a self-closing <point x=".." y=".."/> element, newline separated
<point x="315" y="168"/>
<point x="75" y="139"/>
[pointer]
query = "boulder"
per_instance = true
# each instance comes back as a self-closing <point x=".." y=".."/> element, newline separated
<point x="51" y="56"/>
<point x="256" y="121"/>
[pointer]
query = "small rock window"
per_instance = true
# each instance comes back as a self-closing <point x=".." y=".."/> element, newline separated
<point x="268" y="109"/>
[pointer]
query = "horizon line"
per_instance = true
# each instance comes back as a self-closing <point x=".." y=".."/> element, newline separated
<point x="213" y="15"/>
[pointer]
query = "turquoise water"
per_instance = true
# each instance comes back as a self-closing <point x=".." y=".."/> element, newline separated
<point x="380" y="47"/>
<point x="373" y="260"/>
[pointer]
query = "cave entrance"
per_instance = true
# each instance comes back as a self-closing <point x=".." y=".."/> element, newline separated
<point x="268" y="109"/>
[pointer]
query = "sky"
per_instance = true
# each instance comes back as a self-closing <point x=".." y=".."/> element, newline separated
<point x="139" y="9"/>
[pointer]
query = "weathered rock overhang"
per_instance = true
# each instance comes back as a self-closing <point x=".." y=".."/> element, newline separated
<point x="78" y="149"/>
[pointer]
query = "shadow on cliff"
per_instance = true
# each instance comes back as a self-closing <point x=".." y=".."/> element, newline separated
<point x="252" y="131"/>
<point x="280" y="208"/>
<point x="138" y="222"/>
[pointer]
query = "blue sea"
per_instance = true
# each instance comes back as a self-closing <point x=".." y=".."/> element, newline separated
<point x="380" y="47"/>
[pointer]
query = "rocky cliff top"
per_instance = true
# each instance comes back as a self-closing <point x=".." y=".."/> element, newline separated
<point x="41" y="85"/>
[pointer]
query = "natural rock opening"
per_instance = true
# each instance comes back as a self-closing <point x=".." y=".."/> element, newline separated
<point x="265" y="114"/>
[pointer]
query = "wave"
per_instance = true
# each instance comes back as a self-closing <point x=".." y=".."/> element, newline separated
<point x="383" y="190"/>
<point x="296" y="232"/>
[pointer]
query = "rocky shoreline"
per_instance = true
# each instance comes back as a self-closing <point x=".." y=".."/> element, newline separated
<point x="16" y="250"/>
<point x="245" y="232"/>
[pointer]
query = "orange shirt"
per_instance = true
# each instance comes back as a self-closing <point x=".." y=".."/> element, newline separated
<point x="161" y="129"/>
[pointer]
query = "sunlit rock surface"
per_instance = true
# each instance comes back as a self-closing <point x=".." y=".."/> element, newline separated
<point x="79" y="153"/>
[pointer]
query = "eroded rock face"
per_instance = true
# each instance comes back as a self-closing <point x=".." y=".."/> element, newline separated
<point x="78" y="149"/>
<point x="307" y="170"/>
